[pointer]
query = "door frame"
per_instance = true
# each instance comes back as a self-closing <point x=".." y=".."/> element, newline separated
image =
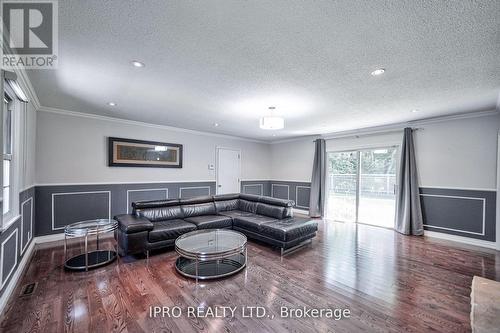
<point x="358" y="151"/>
<point x="217" y="164"/>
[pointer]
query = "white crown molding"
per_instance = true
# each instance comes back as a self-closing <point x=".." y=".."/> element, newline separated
<point x="140" y="123"/>
<point x="395" y="127"/>
<point x="300" y="138"/>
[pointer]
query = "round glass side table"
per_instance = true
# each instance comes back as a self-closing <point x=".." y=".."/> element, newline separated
<point x="211" y="253"/>
<point x="89" y="259"/>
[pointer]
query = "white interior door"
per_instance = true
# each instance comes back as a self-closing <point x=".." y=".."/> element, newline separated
<point x="228" y="170"/>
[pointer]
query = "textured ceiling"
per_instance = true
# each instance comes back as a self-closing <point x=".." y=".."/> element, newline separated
<point x="227" y="61"/>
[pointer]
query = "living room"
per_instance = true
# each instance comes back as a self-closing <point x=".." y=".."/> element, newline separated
<point x="250" y="166"/>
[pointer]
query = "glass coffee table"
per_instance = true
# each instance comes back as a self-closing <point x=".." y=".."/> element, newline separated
<point x="211" y="253"/>
<point x="94" y="258"/>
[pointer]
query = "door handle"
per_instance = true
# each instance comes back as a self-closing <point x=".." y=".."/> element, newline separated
<point x="219" y="185"/>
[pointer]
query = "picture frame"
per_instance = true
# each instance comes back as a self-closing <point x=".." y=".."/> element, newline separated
<point x="146" y="154"/>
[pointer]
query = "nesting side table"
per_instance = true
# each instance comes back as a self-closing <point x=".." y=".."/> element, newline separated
<point x="94" y="258"/>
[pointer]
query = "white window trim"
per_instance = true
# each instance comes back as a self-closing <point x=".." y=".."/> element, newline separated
<point x="13" y="213"/>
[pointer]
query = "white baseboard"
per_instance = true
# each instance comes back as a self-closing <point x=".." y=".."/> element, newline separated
<point x="49" y="238"/>
<point x="60" y="237"/>
<point x="460" y="239"/>
<point x="11" y="286"/>
<point x="300" y="211"/>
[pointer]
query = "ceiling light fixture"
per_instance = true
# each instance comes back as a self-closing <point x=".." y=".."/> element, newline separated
<point x="378" y="71"/>
<point x="138" y="64"/>
<point x="112" y="104"/>
<point x="272" y="122"/>
<point x="216" y="124"/>
<point x="414" y="110"/>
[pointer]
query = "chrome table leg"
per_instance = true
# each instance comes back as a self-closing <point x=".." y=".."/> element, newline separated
<point x="86" y="252"/>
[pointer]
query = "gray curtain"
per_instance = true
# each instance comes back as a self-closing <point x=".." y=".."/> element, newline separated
<point x="408" y="210"/>
<point x="318" y="180"/>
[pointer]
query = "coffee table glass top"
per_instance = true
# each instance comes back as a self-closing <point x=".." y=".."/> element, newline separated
<point x="90" y="227"/>
<point x="211" y="242"/>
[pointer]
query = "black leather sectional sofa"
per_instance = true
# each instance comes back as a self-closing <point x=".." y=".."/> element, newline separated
<point x="156" y="224"/>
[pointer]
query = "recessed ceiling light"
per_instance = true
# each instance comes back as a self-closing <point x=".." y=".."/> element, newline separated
<point x="378" y="71"/>
<point x="136" y="63"/>
<point x="274" y="134"/>
<point x="216" y="124"/>
<point x="415" y="110"/>
<point x="112" y="104"/>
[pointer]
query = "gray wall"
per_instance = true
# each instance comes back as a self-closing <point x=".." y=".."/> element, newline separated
<point x="73" y="150"/>
<point x="460" y="153"/>
<point x="15" y="241"/>
<point x="467" y="213"/>
<point x="58" y="206"/>
<point x="455" y="158"/>
<point x="296" y="191"/>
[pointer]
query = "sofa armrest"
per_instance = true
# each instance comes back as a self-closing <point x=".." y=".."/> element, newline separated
<point x="130" y="224"/>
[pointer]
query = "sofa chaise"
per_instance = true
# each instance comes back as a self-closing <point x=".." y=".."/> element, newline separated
<point x="157" y="224"/>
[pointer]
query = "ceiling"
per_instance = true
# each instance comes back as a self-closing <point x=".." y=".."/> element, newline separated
<point x="226" y="61"/>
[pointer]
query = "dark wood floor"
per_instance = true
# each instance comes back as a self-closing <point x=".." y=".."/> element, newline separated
<point x="390" y="283"/>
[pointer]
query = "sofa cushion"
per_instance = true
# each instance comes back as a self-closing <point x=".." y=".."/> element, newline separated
<point x="130" y="224"/>
<point x="197" y="200"/>
<point x="250" y="197"/>
<point x="224" y="197"/>
<point x="252" y="222"/>
<point x="225" y="205"/>
<point x="210" y="221"/>
<point x="278" y="212"/>
<point x="198" y="209"/>
<point x="276" y="201"/>
<point x="288" y="229"/>
<point x="247" y="206"/>
<point x="171" y="229"/>
<point x="155" y="203"/>
<point x="161" y="213"/>
<point x="236" y="212"/>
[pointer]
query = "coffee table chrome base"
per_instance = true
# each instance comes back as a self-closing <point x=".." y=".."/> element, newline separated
<point x="210" y="269"/>
<point x="95" y="259"/>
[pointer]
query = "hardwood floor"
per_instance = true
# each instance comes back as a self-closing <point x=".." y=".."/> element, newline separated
<point x="390" y="283"/>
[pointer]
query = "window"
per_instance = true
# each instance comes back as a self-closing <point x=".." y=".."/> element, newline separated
<point x="7" y="157"/>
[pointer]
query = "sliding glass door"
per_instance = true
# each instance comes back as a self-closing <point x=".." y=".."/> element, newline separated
<point x="362" y="186"/>
<point x="343" y="182"/>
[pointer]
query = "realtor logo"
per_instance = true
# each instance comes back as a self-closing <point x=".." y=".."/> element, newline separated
<point x="30" y="32"/>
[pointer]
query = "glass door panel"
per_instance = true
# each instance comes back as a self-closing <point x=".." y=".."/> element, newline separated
<point x="377" y="182"/>
<point x="342" y="185"/>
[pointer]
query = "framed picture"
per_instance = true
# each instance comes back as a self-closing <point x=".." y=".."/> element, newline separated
<point x="139" y="153"/>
